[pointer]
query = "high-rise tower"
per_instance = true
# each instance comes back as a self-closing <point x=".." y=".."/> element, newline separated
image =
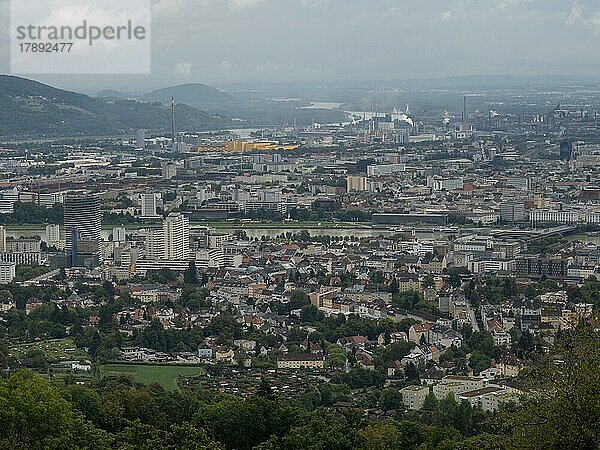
<point x="2" y="239"/>
<point x="174" y="140"/>
<point x="83" y="223"/>
<point x="176" y="235"/>
<point x="148" y="203"/>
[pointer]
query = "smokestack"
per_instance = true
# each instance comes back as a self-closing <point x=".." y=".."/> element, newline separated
<point x="173" y="122"/>
<point x="465" y="110"/>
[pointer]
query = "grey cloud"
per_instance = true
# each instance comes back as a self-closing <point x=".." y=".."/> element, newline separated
<point x="322" y="40"/>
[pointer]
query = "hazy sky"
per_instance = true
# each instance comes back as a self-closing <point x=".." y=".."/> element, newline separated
<point x="218" y="41"/>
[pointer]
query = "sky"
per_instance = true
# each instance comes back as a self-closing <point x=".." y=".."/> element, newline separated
<point x="225" y="41"/>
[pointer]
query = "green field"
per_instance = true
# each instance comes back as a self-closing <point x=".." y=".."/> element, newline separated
<point x="55" y="350"/>
<point x="166" y="376"/>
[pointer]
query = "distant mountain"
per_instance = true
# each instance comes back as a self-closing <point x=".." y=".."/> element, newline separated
<point x="249" y="109"/>
<point x="30" y="108"/>
<point x="498" y="82"/>
<point x="109" y="93"/>
<point x="191" y="94"/>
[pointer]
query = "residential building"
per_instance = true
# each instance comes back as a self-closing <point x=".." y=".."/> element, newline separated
<point x="356" y="183"/>
<point x="148" y="203"/>
<point x="52" y="234"/>
<point x="413" y="397"/>
<point x="176" y="235"/>
<point x="7" y="272"/>
<point x="300" y="361"/>
<point x="455" y="384"/>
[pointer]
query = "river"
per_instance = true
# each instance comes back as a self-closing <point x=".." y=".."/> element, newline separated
<point x="253" y="231"/>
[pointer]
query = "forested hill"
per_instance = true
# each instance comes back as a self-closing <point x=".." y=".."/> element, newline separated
<point x="30" y="108"/>
<point x="191" y="93"/>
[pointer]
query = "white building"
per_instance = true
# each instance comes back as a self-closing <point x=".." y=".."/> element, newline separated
<point x="581" y="272"/>
<point x="385" y="169"/>
<point x="413" y="397"/>
<point x="140" y="138"/>
<point x="47" y="200"/>
<point x="492" y="265"/>
<point x="444" y="184"/>
<point x="554" y="215"/>
<point x="470" y="246"/>
<point x="455" y="384"/>
<point x="176" y="229"/>
<point x="119" y="234"/>
<point x="491" y="397"/>
<point x="492" y="373"/>
<point x="300" y="361"/>
<point x="501" y="338"/>
<point x="7" y="201"/>
<point x="203" y="194"/>
<point x="483" y="217"/>
<point x="148" y="203"/>
<point x="169" y="170"/>
<point x="7" y="272"/>
<point x="210" y="258"/>
<point x="217" y="240"/>
<point x="52" y="234"/>
<point x="154" y="243"/>
<point x="2" y="239"/>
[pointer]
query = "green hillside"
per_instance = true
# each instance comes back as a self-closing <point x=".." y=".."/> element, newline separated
<point x="30" y="108"/>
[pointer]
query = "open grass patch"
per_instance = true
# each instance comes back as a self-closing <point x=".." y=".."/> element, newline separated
<point x="165" y="375"/>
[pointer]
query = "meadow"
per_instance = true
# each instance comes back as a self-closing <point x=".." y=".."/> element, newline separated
<point x="165" y="375"/>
